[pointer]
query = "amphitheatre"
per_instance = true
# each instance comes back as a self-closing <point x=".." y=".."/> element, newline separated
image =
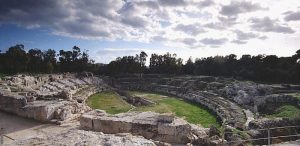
<point x="153" y="109"/>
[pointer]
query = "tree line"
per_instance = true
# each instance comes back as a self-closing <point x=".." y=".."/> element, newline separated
<point x="17" y="60"/>
<point x="265" y="68"/>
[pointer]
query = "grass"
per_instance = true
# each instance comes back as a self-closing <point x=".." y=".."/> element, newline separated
<point x="297" y="95"/>
<point x="286" y="111"/>
<point x="108" y="101"/>
<point x="192" y="112"/>
<point x="2" y="75"/>
<point x="112" y="103"/>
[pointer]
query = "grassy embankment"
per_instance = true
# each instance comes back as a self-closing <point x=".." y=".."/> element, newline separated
<point x="285" y="111"/>
<point x="108" y="101"/>
<point x="193" y="113"/>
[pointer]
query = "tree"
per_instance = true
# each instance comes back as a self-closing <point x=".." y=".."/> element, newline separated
<point x="16" y="59"/>
<point x="142" y="59"/>
<point x="188" y="68"/>
<point x="49" y="62"/>
<point x="65" y="59"/>
<point x="35" y="60"/>
<point x="165" y="64"/>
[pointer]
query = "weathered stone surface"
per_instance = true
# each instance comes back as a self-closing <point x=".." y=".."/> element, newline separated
<point x="147" y="124"/>
<point x="262" y="103"/>
<point x="12" y="103"/>
<point x="48" y="97"/>
<point x="65" y="94"/>
<point x="82" y="138"/>
<point x="245" y="93"/>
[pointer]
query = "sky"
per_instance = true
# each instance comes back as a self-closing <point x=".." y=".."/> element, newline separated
<point x="189" y="28"/>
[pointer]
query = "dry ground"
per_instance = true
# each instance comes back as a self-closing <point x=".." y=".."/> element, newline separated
<point x="18" y="128"/>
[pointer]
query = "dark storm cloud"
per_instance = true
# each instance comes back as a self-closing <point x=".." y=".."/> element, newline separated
<point x="235" y="8"/>
<point x="269" y="25"/>
<point x="33" y="12"/>
<point x="78" y="18"/>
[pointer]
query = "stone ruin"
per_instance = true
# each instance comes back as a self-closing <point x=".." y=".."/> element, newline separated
<point x="48" y="98"/>
<point x="158" y="127"/>
<point x="236" y="103"/>
<point x="61" y="97"/>
<point x="134" y="100"/>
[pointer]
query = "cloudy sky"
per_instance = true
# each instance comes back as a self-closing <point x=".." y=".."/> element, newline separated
<point x="111" y="28"/>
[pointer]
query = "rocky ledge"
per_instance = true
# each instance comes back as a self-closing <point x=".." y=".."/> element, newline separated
<point x="158" y="127"/>
<point x="48" y="98"/>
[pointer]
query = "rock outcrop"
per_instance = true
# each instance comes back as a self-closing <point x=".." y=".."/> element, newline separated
<point x="81" y="137"/>
<point x="164" y="128"/>
<point x="48" y="98"/>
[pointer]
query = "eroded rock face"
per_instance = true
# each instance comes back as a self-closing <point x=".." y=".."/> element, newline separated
<point x="150" y="125"/>
<point x="245" y="93"/>
<point x="80" y="137"/>
<point x="47" y="98"/>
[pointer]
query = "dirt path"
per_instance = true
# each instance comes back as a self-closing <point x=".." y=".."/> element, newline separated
<point x="18" y="128"/>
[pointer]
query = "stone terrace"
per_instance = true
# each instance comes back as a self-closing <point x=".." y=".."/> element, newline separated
<point x="47" y="98"/>
<point x="226" y="110"/>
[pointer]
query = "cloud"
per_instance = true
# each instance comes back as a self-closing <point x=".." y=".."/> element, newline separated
<point x="214" y="42"/>
<point x="173" y="23"/>
<point x="269" y="25"/>
<point x="189" y="41"/>
<point x="206" y="3"/>
<point x="235" y="8"/>
<point x="244" y="35"/>
<point x="239" y="42"/>
<point x="292" y="16"/>
<point x="172" y="3"/>
<point x="191" y="29"/>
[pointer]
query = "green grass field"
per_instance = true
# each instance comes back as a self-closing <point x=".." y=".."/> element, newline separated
<point x="108" y="101"/>
<point x="286" y="111"/>
<point x="192" y="112"/>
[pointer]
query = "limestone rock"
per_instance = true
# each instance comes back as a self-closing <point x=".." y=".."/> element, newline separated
<point x="65" y="94"/>
<point x="81" y="137"/>
<point x="146" y="124"/>
<point x="214" y="131"/>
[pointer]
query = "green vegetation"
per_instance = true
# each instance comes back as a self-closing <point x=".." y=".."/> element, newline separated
<point x="108" y="101"/>
<point x="285" y="111"/>
<point x="192" y="112"/>
<point x="2" y="75"/>
<point x="297" y="95"/>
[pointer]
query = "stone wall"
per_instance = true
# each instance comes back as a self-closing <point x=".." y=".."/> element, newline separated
<point x="165" y="128"/>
